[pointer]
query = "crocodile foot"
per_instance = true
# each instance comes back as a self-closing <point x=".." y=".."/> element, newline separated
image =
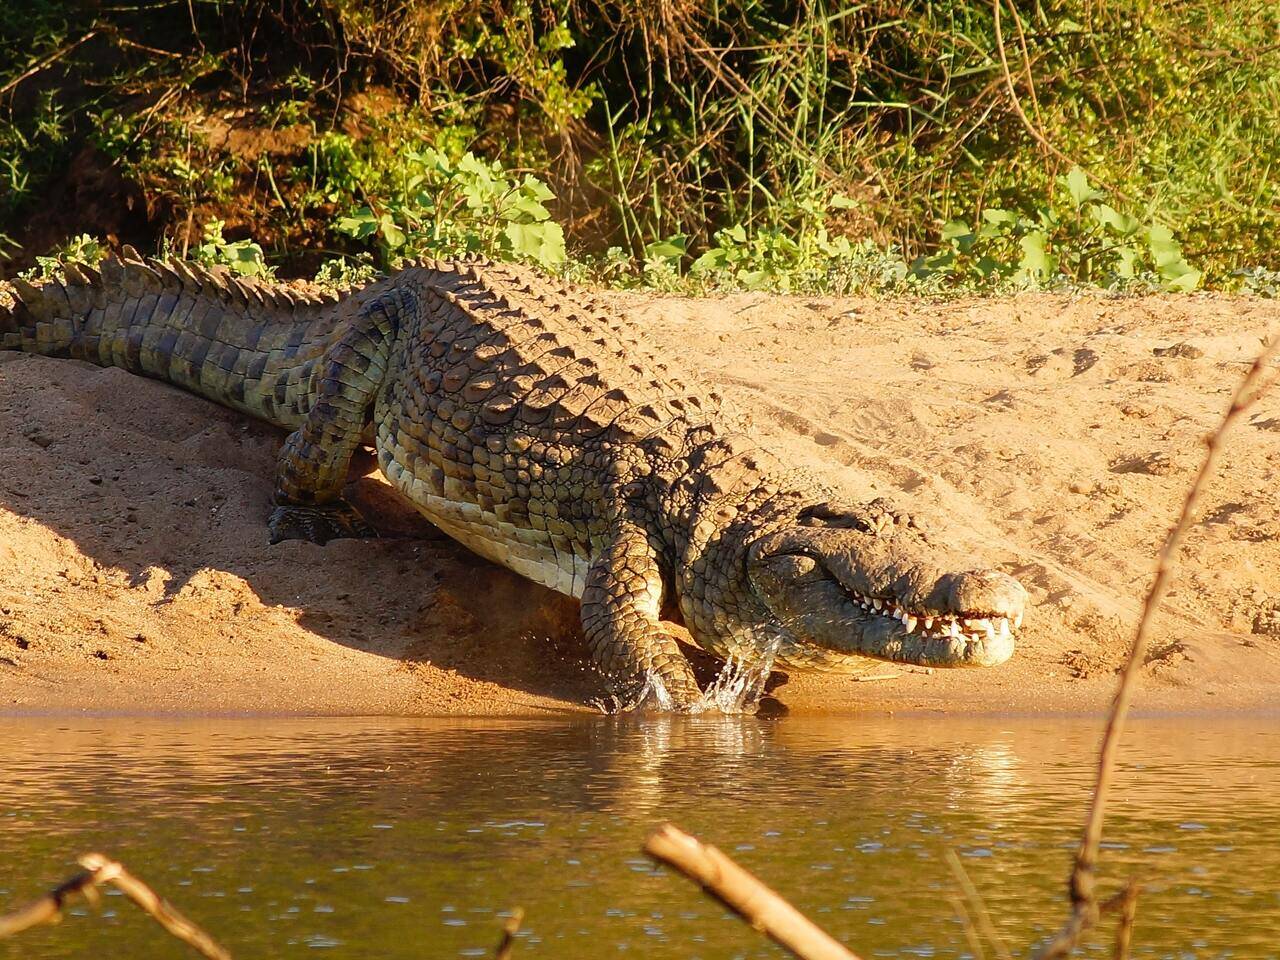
<point x="333" y="521"/>
<point x="649" y="695"/>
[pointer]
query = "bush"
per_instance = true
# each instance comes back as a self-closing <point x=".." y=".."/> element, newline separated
<point x="812" y="145"/>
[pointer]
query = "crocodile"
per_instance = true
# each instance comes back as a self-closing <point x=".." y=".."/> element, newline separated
<point x="528" y="420"/>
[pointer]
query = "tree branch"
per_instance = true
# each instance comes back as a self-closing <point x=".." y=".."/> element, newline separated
<point x="99" y="870"/>
<point x="744" y="894"/>
<point x="1083" y="883"/>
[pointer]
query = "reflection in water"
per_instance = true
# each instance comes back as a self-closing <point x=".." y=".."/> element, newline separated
<point x="408" y="839"/>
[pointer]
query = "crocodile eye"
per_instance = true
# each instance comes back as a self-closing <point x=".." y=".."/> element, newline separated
<point x="833" y="515"/>
<point x="792" y="566"/>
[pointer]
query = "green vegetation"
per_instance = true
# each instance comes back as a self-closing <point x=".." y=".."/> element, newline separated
<point x="430" y="204"/>
<point x="688" y="145"/>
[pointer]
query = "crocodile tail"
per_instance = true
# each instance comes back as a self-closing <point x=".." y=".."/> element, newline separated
<point x="243" y="344"/>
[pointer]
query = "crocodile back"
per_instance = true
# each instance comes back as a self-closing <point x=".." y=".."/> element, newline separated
<point x="519" y="347"/>
<point x="517" y="406"/>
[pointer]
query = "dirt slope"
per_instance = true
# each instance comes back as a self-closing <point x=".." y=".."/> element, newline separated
<point x="1055" y="436"/>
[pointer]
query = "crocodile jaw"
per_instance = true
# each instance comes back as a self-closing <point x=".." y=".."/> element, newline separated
<point x="844" y="593"/>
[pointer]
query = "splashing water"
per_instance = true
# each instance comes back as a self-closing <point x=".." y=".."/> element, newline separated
<point x="737" y="688"/>
<point x="740" y="684"/>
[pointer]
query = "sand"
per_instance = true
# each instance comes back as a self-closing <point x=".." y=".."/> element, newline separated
<point x="1052" y="436"/>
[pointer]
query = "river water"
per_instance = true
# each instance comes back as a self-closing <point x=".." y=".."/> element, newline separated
<point x="410" y="839"/>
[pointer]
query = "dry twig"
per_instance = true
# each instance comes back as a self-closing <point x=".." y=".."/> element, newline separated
<point x="99" y="870"/>
<point x="509" y="931"/>
<point x="996" y="7"/>
<point x="1083" y="885"/>
<point x="46" y="61"/>
<point x="744" y="894"/>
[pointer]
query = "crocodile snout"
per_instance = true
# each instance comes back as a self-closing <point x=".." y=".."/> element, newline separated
<point x="861" y="593"/>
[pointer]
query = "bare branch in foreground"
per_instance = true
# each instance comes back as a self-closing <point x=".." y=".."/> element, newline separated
<point x="99" y="870"/>
<point x="744" y="894"/>
<point x="1083" y="885"/>
<point x="509" y="931"/>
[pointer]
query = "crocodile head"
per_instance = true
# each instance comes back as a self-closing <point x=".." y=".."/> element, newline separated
<point x="845" y="582"/>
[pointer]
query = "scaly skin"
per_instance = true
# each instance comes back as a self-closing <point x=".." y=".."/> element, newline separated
<point x="528" y="422"/>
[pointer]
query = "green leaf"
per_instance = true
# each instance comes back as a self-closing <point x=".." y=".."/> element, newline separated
<point x="1127" y="266"/>
<point x="470" y="163"/>
<point x="478" y="195"/>
<point x="670" y="249"/>
<point x="1035" y="262"/>
<point x="959" y="235"/>
<point x="525" y="209"/>
<point x="717" y="258"/>
<point x="839" y="248"/>
<point x="244" y="257"/>
<point x="391" y="233"/>
<point x="541" y="242"/>
<point x="1078" y="186"/>
<point x="360" y="224"/>
<point x="939" y="263"/>
<point x="839" y="201"/>
<point x="988" y="266"/>
<point x="1114" y="220"/>
<point x="535" y="188"/>
<point x="996" y="215"/>
<point x="1164" y="248"/>
<point x="1185" y="281"/>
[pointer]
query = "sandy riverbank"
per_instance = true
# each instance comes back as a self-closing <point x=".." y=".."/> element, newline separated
<point x="1055" y="436"/>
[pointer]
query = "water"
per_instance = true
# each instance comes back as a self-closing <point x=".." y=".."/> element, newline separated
<point x="395" y="839"/>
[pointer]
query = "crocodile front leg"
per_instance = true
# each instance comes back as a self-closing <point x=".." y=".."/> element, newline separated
<point x="620" y="606"/>
<point x="316" y="457"/>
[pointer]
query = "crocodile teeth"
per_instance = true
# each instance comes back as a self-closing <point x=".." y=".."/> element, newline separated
<point x="971" y="629"/>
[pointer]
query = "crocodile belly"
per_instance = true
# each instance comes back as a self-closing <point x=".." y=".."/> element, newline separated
<point x="447" y="494"/>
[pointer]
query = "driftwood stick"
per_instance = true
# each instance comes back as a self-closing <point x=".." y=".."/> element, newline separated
<point x="99" y="870"/>
<point x="1085" y="911"/>
<point x="509" y="931"/>
<point x="744" y="894"/>
<point x="48" y="909"/>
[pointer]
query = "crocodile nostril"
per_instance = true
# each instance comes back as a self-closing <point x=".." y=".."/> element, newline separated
<point x="987" y="591"/>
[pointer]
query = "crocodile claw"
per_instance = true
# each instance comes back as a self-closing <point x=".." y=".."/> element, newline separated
<point x="333" y="521"/>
